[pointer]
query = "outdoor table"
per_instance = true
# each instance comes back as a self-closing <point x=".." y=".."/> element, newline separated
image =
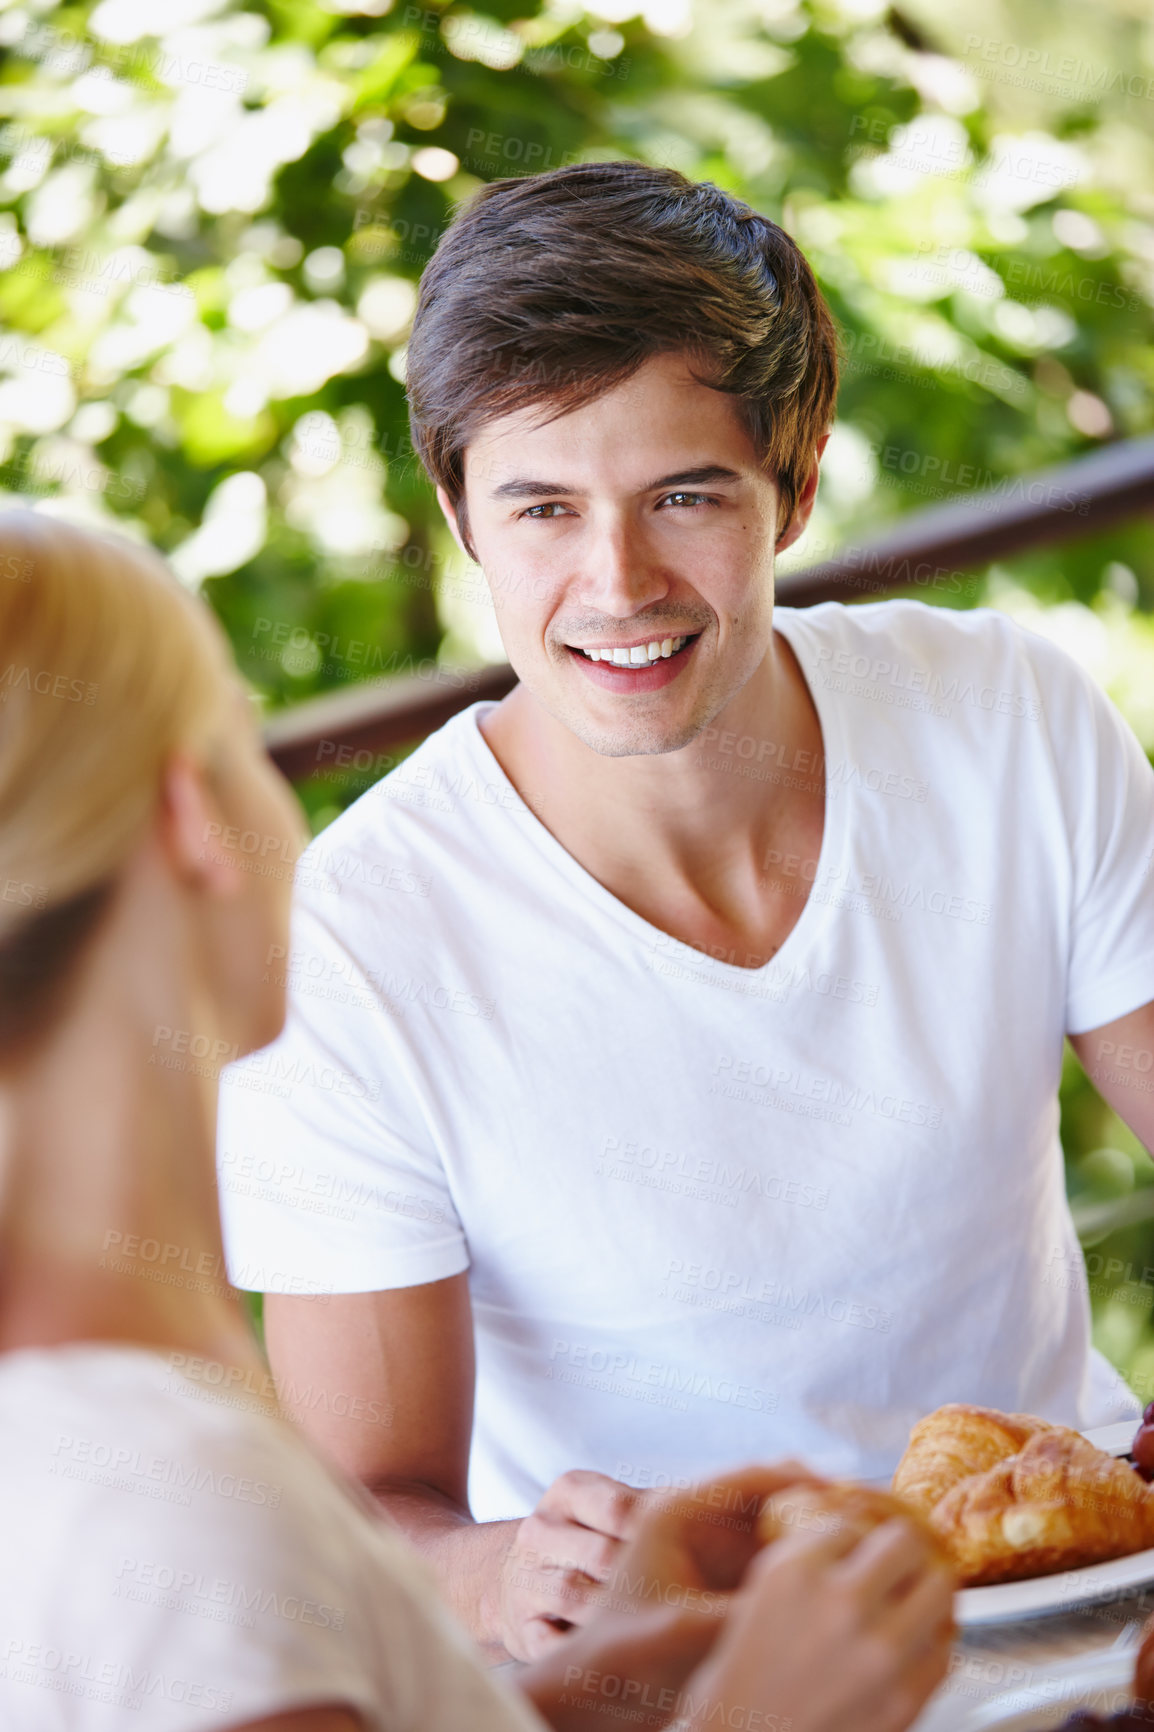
<point x="992" y="1658"/>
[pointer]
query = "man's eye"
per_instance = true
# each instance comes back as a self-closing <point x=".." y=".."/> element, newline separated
<point x="690" y="498"/>
<point x="550" y="506"/>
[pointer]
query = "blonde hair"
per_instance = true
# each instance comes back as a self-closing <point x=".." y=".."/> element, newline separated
<point x="106" y="667"/>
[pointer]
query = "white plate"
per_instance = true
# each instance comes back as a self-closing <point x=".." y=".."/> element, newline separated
<point x="1046" y="1596"/>
<point x="1101" y="1682"/>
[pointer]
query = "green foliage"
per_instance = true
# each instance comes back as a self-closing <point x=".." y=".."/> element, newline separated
<point x="211" y="240"/>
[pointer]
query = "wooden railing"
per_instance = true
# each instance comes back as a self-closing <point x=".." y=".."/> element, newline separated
<point x="925" y="551"/>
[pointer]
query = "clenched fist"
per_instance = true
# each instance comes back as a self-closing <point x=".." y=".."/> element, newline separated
<point x="558" y="1558"/>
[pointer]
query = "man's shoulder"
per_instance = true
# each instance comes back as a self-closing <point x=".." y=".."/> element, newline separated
<point x="994" y="662"/>
<point x="449" y="779"/>
<point x="911" y="625"/>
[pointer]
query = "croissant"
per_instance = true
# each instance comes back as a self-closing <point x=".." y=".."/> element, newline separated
<point x="1059" y="1504"/>
<point x="954" y="1442"/>
<point x="833" y="1508"/>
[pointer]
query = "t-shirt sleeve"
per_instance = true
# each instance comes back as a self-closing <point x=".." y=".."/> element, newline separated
<point x="1108" y="796"/>
<point x="330" y="1181"/>
<point x="248" y="1586"/>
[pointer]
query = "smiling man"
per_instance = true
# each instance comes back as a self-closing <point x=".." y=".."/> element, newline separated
<point x="671" y="1075"/>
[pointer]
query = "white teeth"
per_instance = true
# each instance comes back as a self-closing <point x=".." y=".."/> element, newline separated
<point x="640" y="655"/>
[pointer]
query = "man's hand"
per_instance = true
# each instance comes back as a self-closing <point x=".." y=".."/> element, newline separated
<point x="560" y="1554"/>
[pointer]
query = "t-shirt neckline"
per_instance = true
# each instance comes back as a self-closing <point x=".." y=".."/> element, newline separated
<point x="814" y="914"/>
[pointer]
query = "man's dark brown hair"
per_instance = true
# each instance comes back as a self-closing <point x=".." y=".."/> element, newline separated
<point x="553" y="288"/>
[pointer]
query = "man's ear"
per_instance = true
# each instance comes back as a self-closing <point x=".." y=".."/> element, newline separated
<point x="193" y="830"/>
<point x="450" y="516"/>
<point x="805" y="499"/>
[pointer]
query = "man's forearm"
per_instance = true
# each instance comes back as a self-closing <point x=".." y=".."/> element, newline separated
<point x="467" y="1557"/>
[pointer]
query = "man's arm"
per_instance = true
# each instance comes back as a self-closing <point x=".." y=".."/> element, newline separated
<point x="1119" y="1060"/>
<point x="383" y="1385"/>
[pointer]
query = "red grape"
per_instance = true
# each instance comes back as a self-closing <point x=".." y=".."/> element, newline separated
<point x="1142" y="1451"/>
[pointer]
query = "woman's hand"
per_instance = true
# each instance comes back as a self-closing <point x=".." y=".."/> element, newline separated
<point x="696" y="1621"/>
<point x="829" y="1632"/>
<point x="659" y="1606"/>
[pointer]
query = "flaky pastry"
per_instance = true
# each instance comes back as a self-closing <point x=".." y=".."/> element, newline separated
<point x="954" y="1442"/>
<point x="1011" y="1496"/>
<point x="829" y="1509"/>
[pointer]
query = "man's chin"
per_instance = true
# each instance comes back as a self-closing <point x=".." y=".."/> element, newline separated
<point x="636" y="736"/>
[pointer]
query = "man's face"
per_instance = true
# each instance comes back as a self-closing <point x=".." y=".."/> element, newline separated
<point x="629" y="549"/>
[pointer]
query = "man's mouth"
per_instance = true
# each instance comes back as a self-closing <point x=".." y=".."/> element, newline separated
<point x="636" y="655"/>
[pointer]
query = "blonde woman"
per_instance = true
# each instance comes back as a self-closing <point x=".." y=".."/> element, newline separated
<point x="175" y="1557"/>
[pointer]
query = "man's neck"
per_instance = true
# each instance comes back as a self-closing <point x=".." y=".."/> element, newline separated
<point x="683" y="838"/>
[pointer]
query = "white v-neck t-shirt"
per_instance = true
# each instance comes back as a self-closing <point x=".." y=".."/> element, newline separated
<point x="176" y="1558"/>
<point x="713" y="1213"/>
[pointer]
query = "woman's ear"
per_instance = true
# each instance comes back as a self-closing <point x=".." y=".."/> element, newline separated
<point x="193" y="830"/>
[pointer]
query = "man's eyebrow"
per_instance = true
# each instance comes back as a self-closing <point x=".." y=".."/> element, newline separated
<point x="708" y="475"/>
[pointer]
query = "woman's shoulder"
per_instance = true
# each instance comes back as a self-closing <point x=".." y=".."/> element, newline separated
<point x="166" y="1524"/>
<point x="173" y="1543"/>
<point x="164" y="1431"/>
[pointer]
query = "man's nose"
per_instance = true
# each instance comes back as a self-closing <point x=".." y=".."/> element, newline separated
<point x="618" y="575"/>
